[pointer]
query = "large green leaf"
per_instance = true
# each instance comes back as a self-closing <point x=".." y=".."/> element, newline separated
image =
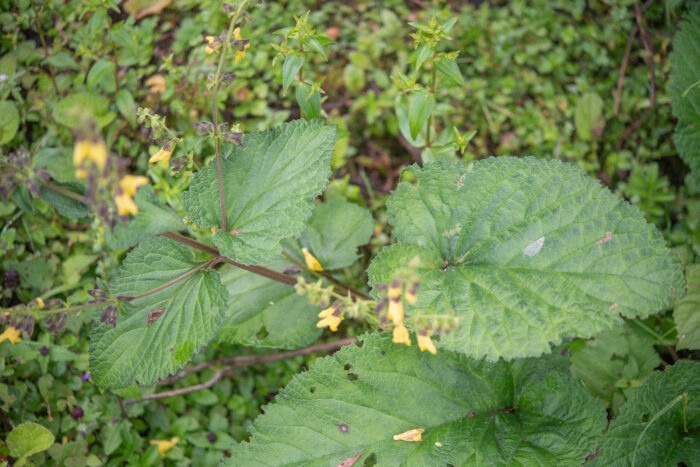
<point x="685" y="92"/>
<point x="270" y="183"/>
<point x="660" y="425"/>
<point x="524" y="252"/>
<point x="28" y="439"/>
<point x="686" y="311"/>
<point x="194" y="307"/>
<point x="614" y="363"/>
<point x="335" y="230"/>
<point x="528" y="412"/>
<point x="153" y="218"/>
<point x="264" y="313"/>
<point x="65" y="206"/>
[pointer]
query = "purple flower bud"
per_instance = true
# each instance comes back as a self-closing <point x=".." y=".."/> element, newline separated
<point x="44" y="351"/>
<point x="77" y="413"/>
<point x="11" y="278"/>
<point x="86" y="377"/>
<point x="211" y="437"/>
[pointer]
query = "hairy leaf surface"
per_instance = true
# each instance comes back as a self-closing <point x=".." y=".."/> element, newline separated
<point x="685" y="92"/>
<point x="524" y="252"/>
<point x="686" y="312"/>
<point x="264" y="313"/>
<point x="660" y="424"/>
<point x="194" y="308"/>
<point x="153" y="218"/>
<point x="270" y="184"/>
<point x="528" y="412"/>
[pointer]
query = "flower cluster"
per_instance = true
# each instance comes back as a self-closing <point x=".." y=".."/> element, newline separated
<point x="214" y="44"/>
<point x="343" y="306"/>
<point x="22" y="317"/>
<point x="18" y="171"/>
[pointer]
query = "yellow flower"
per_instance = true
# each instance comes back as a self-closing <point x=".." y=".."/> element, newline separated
<point x="239" y="53"/>
<point x="162" y="155"/>
<point x="410" y="435"/>
<point x="96" y="151"/>
<point x="395" y="289"/>
<point x="213" y="230"/>
<point x="311" y="261"/>
<point x="131" y="183"/>
<point x="425" y="342"/>
<point x="331" y="317"/>
<point x="156" y="84"/>
<point x="210" y="50"/>
<point x="410" y="295"/>
<point x="40" y="302"/>
<point x="80" y="173"/>
<point x="401" y="335"/>
<point x="164" y="445"/>
<point x="395" y="312"/>
<point x="126" y="205"/>
<point x="11" y="334"/>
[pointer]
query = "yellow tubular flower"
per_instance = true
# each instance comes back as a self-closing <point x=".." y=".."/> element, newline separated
<point x="126" y="205"/>
<point x="80" y="173"/>
<point x="11" y="334"/>
<point x="239" y="53"/>
<point x="401" y="335"/>
<point x="395" y="312"/>
<point x="327" y="312"/>
<point x="410" y="295"/>
<point x="80" y="151"/>
<point x="395" y="289"/>
<point x="311" y="261"/>
<point x="410" y="435"/>
<point x="131" y="183"/>
<point x="40" y="302"/>
<point x="164" y="445"/>
<point x="162" y="155"/>
<point x="331" y="317"/>
<point x="96" y="151"/>
<point x="425" y="342"/>
<point x="210" y="50"/>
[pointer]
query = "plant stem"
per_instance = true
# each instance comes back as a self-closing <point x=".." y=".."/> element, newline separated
<point x="430" y="118"/>
<point x="65" y="192"/>
<point x="215" y="90"/>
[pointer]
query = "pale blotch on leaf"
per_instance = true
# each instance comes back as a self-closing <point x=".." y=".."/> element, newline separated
<point x="606" y="239"/>
<point x="533" y="248"/>
<point x="350" y="461"/>
<point x="413" y="435"/>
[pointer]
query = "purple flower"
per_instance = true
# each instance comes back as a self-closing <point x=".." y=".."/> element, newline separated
<point x="86" y="377"/>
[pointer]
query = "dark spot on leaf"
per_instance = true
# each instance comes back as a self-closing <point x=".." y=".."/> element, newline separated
<point x="262" y="334"/>
<point x="343" y="428"/>
<point x="383" y="353"/>
<point x="352" y="377"/>
<point x="563" y="352"/>
<point x="312" y="389"/>
<point x="370" y="460"/>
<point x="471" y="414"/>
<point x="645" y="418"/>
<point x="347" y="366"/>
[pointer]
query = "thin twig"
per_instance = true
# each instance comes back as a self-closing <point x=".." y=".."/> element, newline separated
<point x="650" y="52"/>
<point x="233" y="363"/>
<point x="623" y="67"/>
<point x="121" y="407"/>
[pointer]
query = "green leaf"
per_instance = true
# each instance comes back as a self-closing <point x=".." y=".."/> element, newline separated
<point x="685" y="92"/>
<point x="74" y="109"/>
<point x="525" y="252"/>
<point x="310" y="105"/>
<point x="28" y="439"/>
<point x="686" y="311"/>
<point x="423" y="54"/>
<point x="126" y="105"/>
<point x="352" y="403"/>
<point x="153" y="218"/>
<point x="589" y="117"/>
<point x="401" y="108"/>
<point x="450" y="70"/>
<point x="420" y="107"/>
<point x="292" y="65"/>
<point x="194" y="308"/>
<point x="313" y="43"/>
<point x="659" y="425"/>
<point x="269" y="183"/>
<point x="65" y="206"/>
<point x="102" y="74"/>
<point x="264" y="313"/>
<point x="621" y="355"/>
<point x="335" y="230"/>
<point x="9" y="121"/>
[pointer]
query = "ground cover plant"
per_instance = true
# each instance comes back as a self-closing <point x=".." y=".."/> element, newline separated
<point x="360" y="233"/>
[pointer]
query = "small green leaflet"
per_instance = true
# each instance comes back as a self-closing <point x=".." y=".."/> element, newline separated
<point x="420" y="108"/>
<point x="685" y="92"/>
<point x="264" y="313"/>
<point x="153" y="218"/>
<point x="270" y="184"/>
<point x="589" y="118"/>
<point x="335" y="230"/>
<point x="474" y="413"/>
<point x="659" y="425"/>
<point x="686" y="311"/>
<point x="524" y="252"/>
<point x="193" y="310"/>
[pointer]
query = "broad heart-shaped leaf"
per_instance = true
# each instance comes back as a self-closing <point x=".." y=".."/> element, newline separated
<point x="474" y="413"/>
<point x="194" y="308"/>
<point x="269" y="183"/>
<point x="28" y="439"/>
<point x="524" y="252"/>
<point x="660" y="425"/>
<point x="153" y="218"/>
<point x="685" y="92"/>
<point x="335" y="230"/>
<point x="686" y="311"/>
<point x="264" y="313"/>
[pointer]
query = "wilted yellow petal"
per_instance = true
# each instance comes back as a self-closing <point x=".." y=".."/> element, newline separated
<point x="131" y="183"/>
<point x="311" y="261"/>
<point x="11" y="334"/>
<point x="164" y="445"/>
<point x="156" y="83"/>
<point x="410" y="435"/>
